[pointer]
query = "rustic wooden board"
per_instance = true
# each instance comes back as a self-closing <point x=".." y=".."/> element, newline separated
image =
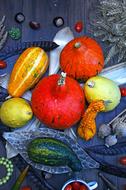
<point x="44" y="11"/>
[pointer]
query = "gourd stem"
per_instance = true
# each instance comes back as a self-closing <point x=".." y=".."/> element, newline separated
<point x="61" y="81"/>
<point x="77" y="45"/>
<point x="91" y="84"/>
<point x="8" y="97"/>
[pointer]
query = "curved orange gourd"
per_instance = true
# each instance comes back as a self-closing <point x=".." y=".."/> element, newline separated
<point x="82" y="58"/>
<point x="87" y="127"/>
<point x="28" y="69"/>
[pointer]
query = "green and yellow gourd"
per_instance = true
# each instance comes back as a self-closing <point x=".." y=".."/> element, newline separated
<point x="52" y="152"/>
<point x="28" y="69"/>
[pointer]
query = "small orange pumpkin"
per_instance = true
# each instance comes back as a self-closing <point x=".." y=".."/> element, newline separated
<point x="82" y="58"/>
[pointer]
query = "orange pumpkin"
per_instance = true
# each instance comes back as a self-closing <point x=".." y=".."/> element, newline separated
<point x="82" y="58"/>
<point x="58" y="101"/>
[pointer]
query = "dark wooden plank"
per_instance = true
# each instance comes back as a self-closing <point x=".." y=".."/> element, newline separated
<point x="43" y="12"/>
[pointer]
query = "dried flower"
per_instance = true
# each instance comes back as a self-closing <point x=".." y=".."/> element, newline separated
<point x="109" y="23"/>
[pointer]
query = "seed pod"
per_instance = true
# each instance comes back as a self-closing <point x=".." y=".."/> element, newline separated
<point x="110" y="140"/>
<point x="120" y="129"/>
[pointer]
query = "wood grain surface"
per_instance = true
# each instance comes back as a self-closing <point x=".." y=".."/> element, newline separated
<point x="43" y="11"/>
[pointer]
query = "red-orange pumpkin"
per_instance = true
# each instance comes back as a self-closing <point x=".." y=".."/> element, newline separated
<point x="58" y="101"/>
<point x="82" y="58"/>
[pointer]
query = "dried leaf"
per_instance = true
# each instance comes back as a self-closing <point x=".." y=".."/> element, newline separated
<point x="34" y="177"/>
<point x="111" y="53"/>
<point x="110" y="17"/>
<point x="109" y="168"/>
<point x="99" y="33"/>
<point x="20" y="47"/>
<point x="3" y="40"/>
<point x="121" y="55"/>
<point x="2" y="32"/>
<point x="2" y="21"/>
<point x="119" y="148"/>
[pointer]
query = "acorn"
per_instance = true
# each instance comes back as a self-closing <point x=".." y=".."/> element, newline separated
<point x="58" y="21"/>
<point x="34" y="25"/>
<point x="19" y="17"/>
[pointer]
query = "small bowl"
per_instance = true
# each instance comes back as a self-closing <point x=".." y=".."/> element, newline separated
<point x="91" y="185"/>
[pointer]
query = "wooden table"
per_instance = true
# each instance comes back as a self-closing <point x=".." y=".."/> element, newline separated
<point x="44" y="11"/>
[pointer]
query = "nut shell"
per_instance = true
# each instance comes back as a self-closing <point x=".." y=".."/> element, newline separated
<point x="34" y="25"/>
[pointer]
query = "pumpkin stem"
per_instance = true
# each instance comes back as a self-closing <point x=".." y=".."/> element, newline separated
<point x="77" y="45"/>
<point x="61" y="81"/>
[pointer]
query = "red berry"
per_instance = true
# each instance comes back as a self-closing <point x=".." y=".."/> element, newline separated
<point x="26" y="188"/>
<point x="76" y="185"/>
<point x="123" y="91"/>
<point x="122" y="160"/>
<point x="83" y="187"/>
<point x="2" y="64"/>
<point x="68" y="187"/>
<point x="79" y="26"/>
